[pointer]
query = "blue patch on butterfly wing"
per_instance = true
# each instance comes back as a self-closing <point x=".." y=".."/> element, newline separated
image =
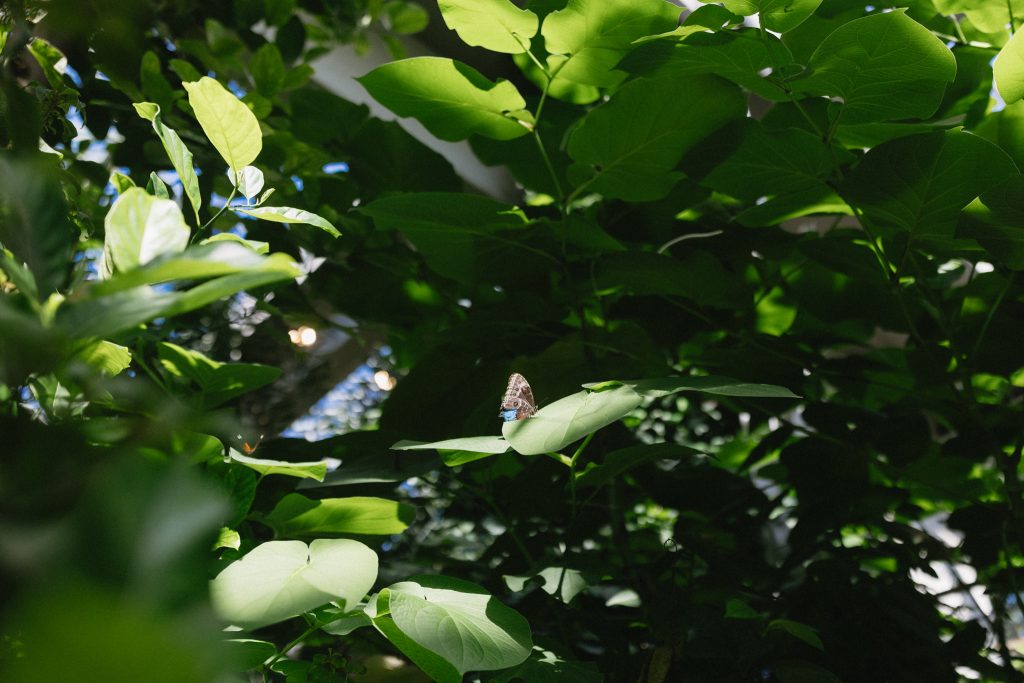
<point x="509" y="415"/>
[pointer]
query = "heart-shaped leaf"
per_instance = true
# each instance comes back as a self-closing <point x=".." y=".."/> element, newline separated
<point x="282" y="579"/>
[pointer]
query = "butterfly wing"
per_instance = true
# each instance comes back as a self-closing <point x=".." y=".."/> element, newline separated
<point x="518" y="403"/>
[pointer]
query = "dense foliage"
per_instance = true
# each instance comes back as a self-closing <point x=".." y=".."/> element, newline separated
<point x="761" y="274"/>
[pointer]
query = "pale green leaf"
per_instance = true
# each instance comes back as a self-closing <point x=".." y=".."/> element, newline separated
<point x="496" y="25"/>
<point x="177" y="152"/>
<point x="107" y="357"/>
<point x="452" y="100"/>
<point x="1009" y="69"/>
<point x="140" y="227"/>
<point x="709" y="384"/>
<point x="282" y="579"/>
<point x="230" y="125"/>
<point x="566" y="583"/>
<point x="286" y="214"/>
<point x="301" y="470"/>
<point x="248" y="181"/>
<point x="569" y="419"/>
<point x="457" y="621"/>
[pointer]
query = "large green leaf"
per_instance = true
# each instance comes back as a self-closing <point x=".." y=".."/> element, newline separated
<point x="593" y="35"/>
<point x="230" y="125"/>
<point x="452" y="100"/>
<point x="776" y="15"/>
<point x="180" y="156"/>
<point x="140" y="227"/>
<point x="1008" y="69"/>
<point x="286" y="214"/>
<point x="217" y="382"/>
<point x="920" y="183"/>
<point x="296" y="516"/>
<point x="628" y="147"/>
<point x="770" y="163"/>
<point x="884" y="67"/>
<point x="569" y="419"/>
<point x="453" y="232"/>
<point x="496" y="25"/>
<point x="744" y="57"/>
<point x="282" y="579"/>
<point x="454" y="620"/>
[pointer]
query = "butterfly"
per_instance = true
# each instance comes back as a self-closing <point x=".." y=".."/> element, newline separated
<point x="518" y="402"/>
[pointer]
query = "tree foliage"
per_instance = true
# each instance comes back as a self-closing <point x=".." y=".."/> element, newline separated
<point x="760" y="272"/>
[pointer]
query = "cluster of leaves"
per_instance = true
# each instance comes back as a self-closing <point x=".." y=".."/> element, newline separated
<point x="824" y="200"/>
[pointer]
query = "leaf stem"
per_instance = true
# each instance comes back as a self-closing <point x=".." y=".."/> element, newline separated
<point x="208" y="223"/>
<point x="284" y="651"/>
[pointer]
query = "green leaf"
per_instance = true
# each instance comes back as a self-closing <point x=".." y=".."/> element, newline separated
<point x="301" y="470"/>
<point x="478" y="444"/>
<point x="296" y="516"/>
<point x="594" y="35"/>
<point x="121" y="182"/>
<point x="282" y="579"/>
<point x="884" y="67"/>
<point x="228" y="538"/>
<point x="177" y="152"/>
<point x="267" y="70"/>
<point x="767" y="163"/>
<point x="452" y="100"/>
<point x="34" y="221"/>
<point x="286" y="214"/>
<point x="455" y="620"/>
<point x="221" y="257"/>
<point x="496" y="25"/>
<point x="737" y="609"/>
<point x="107" y="357"/>
<point x="996" y="221"/>
<point x="459" y="451"/>
<point x="567" y="583"/>
<point x="743" y="56"/>
<point x="256" y="246"/>
<point x="709" y="384"/>
<point x="920" y="183"/>
<point x="797" y="630"/>
<point x="776" y="15"/>
<point x="1009" y="69"/>
<point x="347" y="622"/>
<point x="628" y="147"/>
<point x="156" y="187"/>
<point x="217" y="382"/>
<point x="229" y="124"/>
<point x="140" y="227"/>
<point x="455" y="233"/>
<point x="51" y="60"/>
<point x="569" y="419"/>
